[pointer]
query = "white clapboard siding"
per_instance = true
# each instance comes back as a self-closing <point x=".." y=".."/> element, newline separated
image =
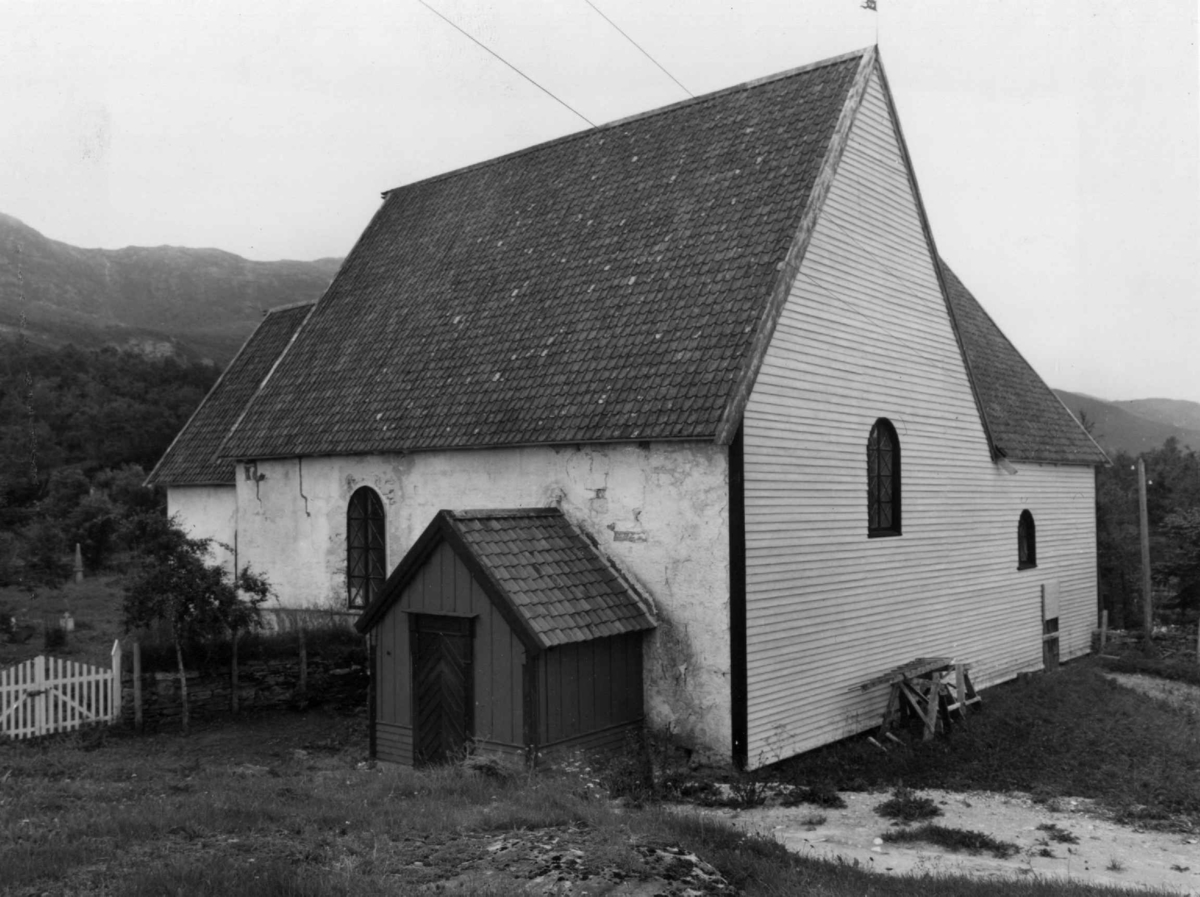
<point x="45" y="695"/>
<point x="865" y="334"/>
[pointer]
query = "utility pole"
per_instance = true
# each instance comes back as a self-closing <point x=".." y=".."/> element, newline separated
<point x="1147" y="600"/>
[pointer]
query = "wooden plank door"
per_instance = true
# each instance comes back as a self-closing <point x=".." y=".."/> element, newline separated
<point x="442" y="718"/>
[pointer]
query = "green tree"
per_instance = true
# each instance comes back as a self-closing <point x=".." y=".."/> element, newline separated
<point x="174" y="584"/>
<point x="1117" y="550"/>
<point x="1172" y="499"/>
<point x="1180" y="562"/>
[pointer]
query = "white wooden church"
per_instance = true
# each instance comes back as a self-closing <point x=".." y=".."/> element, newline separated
<point x="717" y="339"/>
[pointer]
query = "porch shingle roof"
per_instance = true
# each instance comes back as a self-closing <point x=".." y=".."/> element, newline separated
<point x="558" y="585"/>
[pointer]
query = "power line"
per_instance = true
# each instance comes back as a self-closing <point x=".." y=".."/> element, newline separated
<point x="639" y="46"/>
<point x="506" y="62"/>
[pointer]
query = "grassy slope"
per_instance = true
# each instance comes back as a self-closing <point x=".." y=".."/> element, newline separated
<point x="1072" y="733"/>
<point x="95" y="605"/>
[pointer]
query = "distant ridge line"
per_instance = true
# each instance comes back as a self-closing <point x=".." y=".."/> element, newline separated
<point x="1136" y="425"/>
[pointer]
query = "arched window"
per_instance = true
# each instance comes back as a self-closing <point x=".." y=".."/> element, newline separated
<point x="883" y="480"/>
<point x="1026" y="542"/>
<point x="365" y="553"/>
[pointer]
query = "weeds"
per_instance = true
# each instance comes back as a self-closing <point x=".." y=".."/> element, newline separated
<point x="953" y="839"/>
<point x="748" y="792"/>
<point x="905" y="806"/>
<point x="1055" y="833"/>
<point x="629" y="774"/>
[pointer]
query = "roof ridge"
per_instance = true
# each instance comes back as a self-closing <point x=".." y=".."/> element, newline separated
<point x="638" y="116"/>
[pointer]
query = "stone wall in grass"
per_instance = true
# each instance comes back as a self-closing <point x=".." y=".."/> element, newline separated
<point x="267" y="680"/>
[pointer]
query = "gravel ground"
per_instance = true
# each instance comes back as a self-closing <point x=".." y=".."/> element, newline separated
<point x="1106" y="853"/>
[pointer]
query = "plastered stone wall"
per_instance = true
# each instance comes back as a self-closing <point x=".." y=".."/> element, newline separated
<point x="207" y="512"/>
<point x="659" y="511"/>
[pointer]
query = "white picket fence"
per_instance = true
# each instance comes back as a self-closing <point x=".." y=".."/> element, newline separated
<point x="51" y="694"/>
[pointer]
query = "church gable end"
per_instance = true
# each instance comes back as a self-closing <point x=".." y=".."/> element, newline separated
<point x="866" y="342"/>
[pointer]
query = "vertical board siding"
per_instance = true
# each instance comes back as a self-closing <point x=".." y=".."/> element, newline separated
<point x="866" y="334"/>
<point x="445" y="586"/>
<point x="588" y="688"/>
<point x="612" y="739"/>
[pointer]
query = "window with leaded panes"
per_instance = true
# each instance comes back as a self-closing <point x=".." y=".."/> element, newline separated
<point x="883" y="480"/>
<point x="366" y="561"/>
<point x="1026" y="542"/>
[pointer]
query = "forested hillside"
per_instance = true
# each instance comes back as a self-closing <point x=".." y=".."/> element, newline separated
<point x="78" y="431"/>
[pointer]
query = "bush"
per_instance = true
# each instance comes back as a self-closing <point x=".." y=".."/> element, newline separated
<point x="55" y="638"/>
<point x="42" y="556"/>
<point x="174" y="585"/>
<point x="954" y="839"/>
<point x="905" y="805"/>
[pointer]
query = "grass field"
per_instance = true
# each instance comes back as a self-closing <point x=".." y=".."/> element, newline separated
<point x="95" y="605"/>
<point x="1072" y="733"/>
<point x="286" y="805"/>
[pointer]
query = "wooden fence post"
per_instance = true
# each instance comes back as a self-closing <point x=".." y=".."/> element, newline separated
<point x="137" y="683"/>
<point x="39" y="694"/>
<point x="115" y="699"/>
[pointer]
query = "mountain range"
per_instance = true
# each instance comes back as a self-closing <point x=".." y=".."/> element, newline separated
<point x="194" y="304"/>
<point x="1136" y="425"/>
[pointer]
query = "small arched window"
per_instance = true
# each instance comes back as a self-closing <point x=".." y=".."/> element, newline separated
<point x="365" y="548"/>
<point x="883" y="480"/>
<point x="1026" y="542"/>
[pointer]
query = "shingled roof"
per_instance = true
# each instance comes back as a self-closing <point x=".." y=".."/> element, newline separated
<point x="191" y="460"/>
<point x="551" y="583"/>
<point x="1026" y="420"/>
<point x="618" y="284"/>
<point x="608" y="285"/>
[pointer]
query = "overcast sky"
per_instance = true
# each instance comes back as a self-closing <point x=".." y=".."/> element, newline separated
<point x="1055" y="144"/>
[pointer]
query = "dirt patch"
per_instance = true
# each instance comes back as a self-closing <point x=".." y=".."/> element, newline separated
<point x="1106" y="853"/>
